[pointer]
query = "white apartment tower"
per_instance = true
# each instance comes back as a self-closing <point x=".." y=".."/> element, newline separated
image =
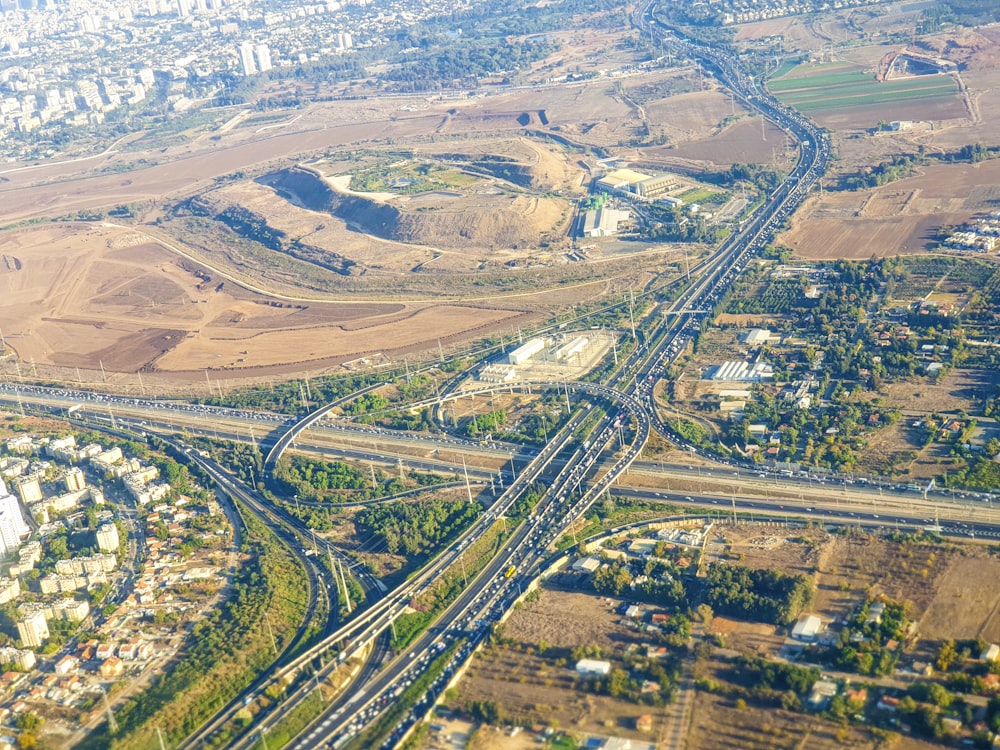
<point x="12" y="525"/>
<point x="74" y="479"/>
<point x="33" y="630"/>
<point x="107" y="537"/>
<point x="246" y="59"/>
<point x="263" y="58"/>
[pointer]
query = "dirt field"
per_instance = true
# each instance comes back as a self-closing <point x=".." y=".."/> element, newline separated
<point x="964" y="603"/>
<point x="948" y="394"/>
<point x="717" y="723"/>
<point x="113" y="298"/>
<point x="896" y="219"/>
<point x="741" y="142"/>
<point x="537" y="691"/>
<point x="946" y="586"/>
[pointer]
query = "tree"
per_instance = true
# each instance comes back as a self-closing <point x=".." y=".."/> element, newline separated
<point x="612" y="579"/>
<point x="992" y="447"/>
<point x="28" y="721"/>
<point x="790" y="701"/>
<point x="947" y="656"/>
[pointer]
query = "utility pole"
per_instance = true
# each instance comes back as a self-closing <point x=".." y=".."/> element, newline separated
<point x="468" y="488"/>
<point x="333" y="569"/>
<point x="104" y="375"/>
<point x="112" y="724"/>
<point x="347" y="595"/>
<point x="142" y="388"/>
<point x="274" y="643"/>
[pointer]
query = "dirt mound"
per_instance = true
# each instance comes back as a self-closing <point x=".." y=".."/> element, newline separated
<point x="517" y="222"/>
<point x="973" y="50"/>
<point x="497" y="220"/>
<point x="255" y="226"/>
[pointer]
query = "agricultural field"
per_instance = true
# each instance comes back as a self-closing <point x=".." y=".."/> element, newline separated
<point x="842" y="94"/>
<point x="900" y="218"/>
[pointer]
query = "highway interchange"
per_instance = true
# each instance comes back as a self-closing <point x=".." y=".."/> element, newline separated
<point x="574" y="471"/>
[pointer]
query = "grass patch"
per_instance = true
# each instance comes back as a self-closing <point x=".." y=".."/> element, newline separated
<point x="288" y="728"/>
<point x="698" y="195"/>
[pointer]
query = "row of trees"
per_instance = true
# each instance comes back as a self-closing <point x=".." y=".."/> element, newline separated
<point x="228" y="649"/>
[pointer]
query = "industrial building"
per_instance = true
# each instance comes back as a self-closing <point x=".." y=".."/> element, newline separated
<point x="622" y="181"/>
<point x="526" y="351"/>
<point x="573" y="349"/>
<point x="496" y="373"/>
<point x="603" y="222"/>
<point x="638" y="185"/>
<point x="740" y="372"/>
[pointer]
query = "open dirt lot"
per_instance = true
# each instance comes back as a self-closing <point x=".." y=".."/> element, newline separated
<point x="84" y="296"/>
<point x="896" y="219"/>
<point x="717" y="722"/>
<point x="181" y="294"/>
<point x="946" y="586"/>
<point x="535" y="689"/>
<point x="963" y="602"/>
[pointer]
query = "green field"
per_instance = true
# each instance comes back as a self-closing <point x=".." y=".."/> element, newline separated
<point x="410" y="177"/>
<point x="813" y="88"/>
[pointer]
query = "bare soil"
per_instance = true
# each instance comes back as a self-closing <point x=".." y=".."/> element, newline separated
<point x="717" y="723"/>
<point x="900" y="218"/>
<point x="88" y="296"/>
<point x="538" y="690"/>
<point x="946" y="586"/>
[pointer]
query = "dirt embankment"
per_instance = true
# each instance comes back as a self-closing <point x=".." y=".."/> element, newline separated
<point x="504" y="221"/>
<point x="256" y="227"/>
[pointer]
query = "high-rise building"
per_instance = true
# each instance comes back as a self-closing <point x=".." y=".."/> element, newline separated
<point x="181" y="6"/>
<point x="33" y="630"/>
<point x="107" y="537"/>
<point x="75" y="479"/>
<point x="246" y="59"/>
<point x="263" y="58"/>
<point x="12" y="525"/>
<point x="29" y="488"/>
